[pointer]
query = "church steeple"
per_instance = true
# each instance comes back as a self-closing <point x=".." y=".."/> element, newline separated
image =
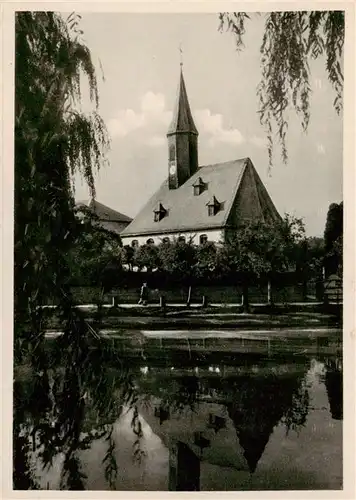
<point x="182" y="140"/>
<point x="182" y="120"/>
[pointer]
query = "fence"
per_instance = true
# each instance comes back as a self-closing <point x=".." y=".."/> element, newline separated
<point x="216" y="294"/>
<point x="333" y="289"/>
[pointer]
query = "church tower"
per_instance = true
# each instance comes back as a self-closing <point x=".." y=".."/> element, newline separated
<point x="182" y="140"/>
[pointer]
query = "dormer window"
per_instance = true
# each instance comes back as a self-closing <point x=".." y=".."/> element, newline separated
<point x="159" y="212"/>
<point x="198" y="186"/>
<point x="213" y="206"/>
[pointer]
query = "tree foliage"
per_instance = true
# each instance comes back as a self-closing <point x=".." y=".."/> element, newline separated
<point x="333" y="239"/>
<point x="128" y="256"/>
<point x="290" y="41"/>
<point x="53" y="141"/>
<point x="95" y="257"/>
<point x="333" y="225"/>
<point x="147" y="256"/>
<point x="261" y="248"/>
<point x="178" y="258"/>
<point x="206" y="260"/>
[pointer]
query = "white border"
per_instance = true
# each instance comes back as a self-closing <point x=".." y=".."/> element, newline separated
<point x="7" y="110"/>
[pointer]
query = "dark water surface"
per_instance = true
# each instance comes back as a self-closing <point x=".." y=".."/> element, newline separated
<point x="241" y="423"/>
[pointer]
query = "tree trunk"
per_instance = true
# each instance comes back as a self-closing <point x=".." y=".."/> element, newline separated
<point x="99" y="311"/>
<point x="245" y="298"/>
<point x="305" y="289"/>
<point x="115" y="301"/>
<point x="189" y="295"/>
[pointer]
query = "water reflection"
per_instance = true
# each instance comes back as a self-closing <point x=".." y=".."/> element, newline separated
<point x="246" y="423"/>
<point x="247" y="401"/>
<point x="333" y="383"/>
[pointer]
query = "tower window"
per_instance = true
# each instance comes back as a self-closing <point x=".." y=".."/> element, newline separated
<point x="150" y="241"/>
<point x="198" y="186"/>
<point x="181" y="239"/>
<point x="159" y="212"/>
<point x="134" y="243"/>
<point x="213" y="206"/>
<point x="172" y="152"/>
<point x="203" y="239"/>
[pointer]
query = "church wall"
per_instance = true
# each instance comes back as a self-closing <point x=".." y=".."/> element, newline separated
<point x="246" y="205"/>
<point x="252" y="201"/>
<point x="215" y="235"/>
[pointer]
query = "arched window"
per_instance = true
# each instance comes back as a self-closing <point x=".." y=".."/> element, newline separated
<point x="134" y="243"/>
<point x="181" y="239"/>
<point x="150" y="241"/>
<point x="166" y="239"/>
<point x="203" y="239"/>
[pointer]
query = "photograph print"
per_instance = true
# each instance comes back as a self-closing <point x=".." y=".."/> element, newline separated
<point x="178" y="251"/>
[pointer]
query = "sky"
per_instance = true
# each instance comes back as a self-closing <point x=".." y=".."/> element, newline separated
<point x="140" y="58"/>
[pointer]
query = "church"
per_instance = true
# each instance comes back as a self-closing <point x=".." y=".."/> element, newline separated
<point x="198" y="203"/>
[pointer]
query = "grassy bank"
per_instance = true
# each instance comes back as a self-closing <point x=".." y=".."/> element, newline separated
<point x="178" y="317"/>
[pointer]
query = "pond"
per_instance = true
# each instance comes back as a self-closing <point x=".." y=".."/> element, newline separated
<point x="243" y="422"/>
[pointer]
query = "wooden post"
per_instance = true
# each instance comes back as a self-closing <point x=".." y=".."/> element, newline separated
<point x="245" y="298"/>
<point x="162" y="301"/>
<point x="205" y="301"/>
<point x="189" y="295"/>
<point x="184" y="468"/>
<point x="115" y="301"/>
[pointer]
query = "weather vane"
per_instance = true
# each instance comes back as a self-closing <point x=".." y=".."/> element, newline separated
<point x="181" y="55"/>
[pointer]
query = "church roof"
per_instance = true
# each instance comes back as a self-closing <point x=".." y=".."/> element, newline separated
<point x="233" y="184"/>
<point x="182" y="120"/>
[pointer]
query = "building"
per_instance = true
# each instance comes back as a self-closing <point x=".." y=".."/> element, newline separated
<point x="107" y="219"/>
<point x="198" y="203"/>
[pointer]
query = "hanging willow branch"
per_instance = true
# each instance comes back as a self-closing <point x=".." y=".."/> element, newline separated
<point x="289" y="41"/>
<point x="53" y="141"/>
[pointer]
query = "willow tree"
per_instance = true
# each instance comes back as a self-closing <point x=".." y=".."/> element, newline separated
<point x="289" y="42"/>
<point x="54" y="140"/>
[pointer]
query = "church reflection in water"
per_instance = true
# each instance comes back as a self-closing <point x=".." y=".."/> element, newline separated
<point x="224" y="414"/>
<point x="237" y="423"/>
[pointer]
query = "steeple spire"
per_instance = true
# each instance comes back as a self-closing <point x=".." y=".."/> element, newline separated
<point x="181" y="55"/>
<point x="182" y="116"/>
<point x="182" y="140"/>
